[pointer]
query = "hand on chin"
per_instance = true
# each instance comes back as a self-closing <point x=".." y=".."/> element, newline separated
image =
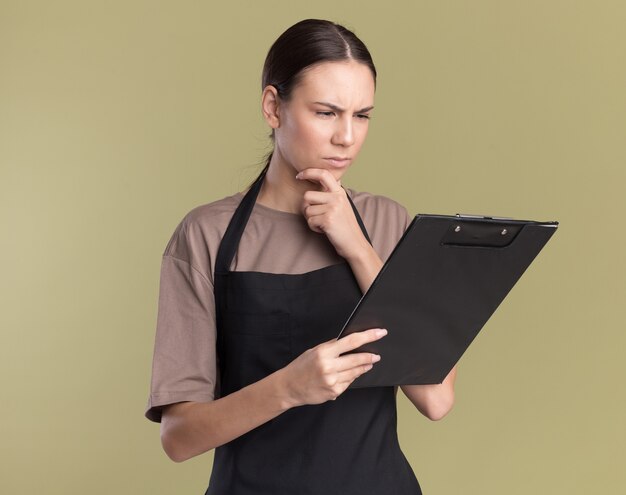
<point x="315" y="179"/>
<point x="328" y="211"/>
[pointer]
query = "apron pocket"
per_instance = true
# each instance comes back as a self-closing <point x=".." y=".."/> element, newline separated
<point x="256" y="344"/>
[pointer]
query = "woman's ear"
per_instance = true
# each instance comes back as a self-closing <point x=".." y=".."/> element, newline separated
<point x="270" y="106"/>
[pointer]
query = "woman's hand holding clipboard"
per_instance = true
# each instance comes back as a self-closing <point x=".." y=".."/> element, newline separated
<point x="444" y="279"/>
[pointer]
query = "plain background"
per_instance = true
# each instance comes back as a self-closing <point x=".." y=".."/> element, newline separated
<point x="118" y="117"/>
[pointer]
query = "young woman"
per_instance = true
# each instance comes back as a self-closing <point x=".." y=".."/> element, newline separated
<point x="256" y="286"/>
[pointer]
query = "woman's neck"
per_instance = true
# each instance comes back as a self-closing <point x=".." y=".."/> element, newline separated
<point x="281" y="190"/>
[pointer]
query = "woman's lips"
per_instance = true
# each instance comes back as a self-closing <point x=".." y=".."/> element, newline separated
<point x="337" y="162"/>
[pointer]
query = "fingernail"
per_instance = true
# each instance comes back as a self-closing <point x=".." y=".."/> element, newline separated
<point x="299" y="175"/>
<point x="381" y="331"/>
<point x="375" y="358"/>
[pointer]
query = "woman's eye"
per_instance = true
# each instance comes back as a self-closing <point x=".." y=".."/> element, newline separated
<point x="361" y="116"/>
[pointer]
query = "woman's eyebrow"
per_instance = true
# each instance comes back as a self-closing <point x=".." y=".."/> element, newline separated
<point x="336" y="108"/>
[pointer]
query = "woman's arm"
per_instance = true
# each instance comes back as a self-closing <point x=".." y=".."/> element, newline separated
<point x="365" y="264"/>
<point x="319" y="374"/>
<point x="192" y="428"/>
<point x="433" y="401"/>
<point x="329" y="212"/>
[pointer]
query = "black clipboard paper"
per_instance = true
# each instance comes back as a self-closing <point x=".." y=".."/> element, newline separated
<point x="444" y="279"/>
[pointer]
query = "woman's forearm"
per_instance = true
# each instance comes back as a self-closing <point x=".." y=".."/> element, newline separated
<point x="365" y="265"/>
<point x="189" y="429"/>
<point x="433" y="401"/>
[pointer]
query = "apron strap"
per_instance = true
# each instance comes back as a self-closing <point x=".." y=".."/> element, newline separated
<point x="230" y="241"/>
<point x="234" y="231"/>
<point x="358" y="218"/>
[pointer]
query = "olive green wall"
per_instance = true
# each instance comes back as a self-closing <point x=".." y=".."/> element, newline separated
<point x="116" y="118"/>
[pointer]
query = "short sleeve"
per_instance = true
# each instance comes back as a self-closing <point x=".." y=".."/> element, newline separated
<point x="405" y="218"/>
<point x="184" y="365"/>
<point x="386" y="221"/>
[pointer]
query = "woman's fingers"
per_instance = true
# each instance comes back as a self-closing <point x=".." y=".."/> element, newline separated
<point x="335" y="217"/>
<point x="316" y="197"/>
<point x="317" y="224"/>
<point x="319" y="216"/>
<point x="313" y="210"/>
<point x="320" y="175"/>
<point x="356" y="360"/>
<point x="357" y="339"/>
<point x="348" y="376"/>
<point x="321" y="373"/>
<point x="316" y="203"/>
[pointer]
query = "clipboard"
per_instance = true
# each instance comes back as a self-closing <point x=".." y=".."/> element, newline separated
<point x="442" y="282"/>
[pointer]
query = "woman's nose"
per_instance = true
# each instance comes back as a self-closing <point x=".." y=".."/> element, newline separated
<point x="344" y="133"/>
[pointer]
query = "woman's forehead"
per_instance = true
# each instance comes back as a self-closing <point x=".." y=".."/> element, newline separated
<point x="347" y="81"/>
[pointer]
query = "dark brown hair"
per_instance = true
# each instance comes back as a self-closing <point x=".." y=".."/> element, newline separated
<point x="306" y="43"/>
